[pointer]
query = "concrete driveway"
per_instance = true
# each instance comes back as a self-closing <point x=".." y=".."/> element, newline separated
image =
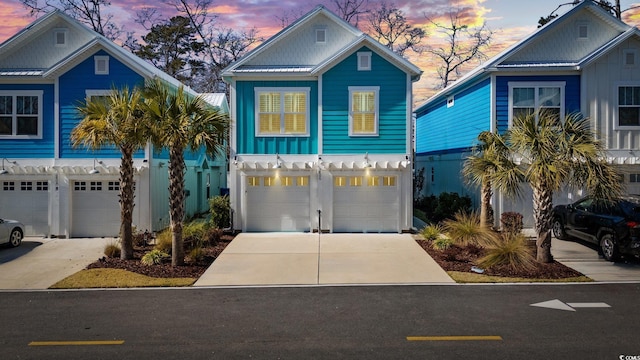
<point x="312" y="259"/>
<point x="39" y="262"/>
<point x="586" y="259"/>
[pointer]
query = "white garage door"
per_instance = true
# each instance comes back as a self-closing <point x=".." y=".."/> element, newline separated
<point x="277" y="203"/>
<point x="366" y="203"/>
<point x="28" y="202"/>
<point x="95" y="209"/>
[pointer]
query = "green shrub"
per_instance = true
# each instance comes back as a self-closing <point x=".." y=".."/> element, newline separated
<point x="193" y="233"/>
<point x="213" y="236"/>
<point x="442" y="243"/>
<point x="112" y="250"/>
<point x="220" y="209"/>
<point x="154" y="257"/>
<point x="431" y="232"/>
<point x="164" y="241"/>
<point x="197" y="254"/>
<point x="465" y="229"/>
<point x="512" y="251"/>
<point x="511" y="222"/>
<point x="444" y="206"/>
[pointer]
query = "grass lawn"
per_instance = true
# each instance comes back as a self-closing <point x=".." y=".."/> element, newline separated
<point x="117" y="278"/>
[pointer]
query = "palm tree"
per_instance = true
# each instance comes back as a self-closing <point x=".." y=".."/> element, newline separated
<point x="180" y="121"/>
<point x="491" y="158"/>
<point x="116" y="120"/>
<point x="553" y="153"/>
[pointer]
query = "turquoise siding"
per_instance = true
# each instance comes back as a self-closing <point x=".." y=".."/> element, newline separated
<point x="33" y="148"/>
<point x="248" y="143"/>
<point x="571" y="95"/>
<point x="440" y="128"/>
<point x="392" y="135"/>
<point x="72" y="93"/>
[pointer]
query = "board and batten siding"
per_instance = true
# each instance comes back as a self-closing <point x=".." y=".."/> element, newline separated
<point x="571" y="94"/>
<point x="248" y="143"/>
<point x="442" y="128"/>
<point x="601" y="80"/>
<point x="392" y="130"/>
<point x="73" y="85"/>
<point x="33" y="148"/>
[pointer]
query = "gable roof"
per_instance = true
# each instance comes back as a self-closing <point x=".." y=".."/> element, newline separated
<point x="93" y="43"/>
<point x="314" y="61"/>
<point x="500" y="61"/>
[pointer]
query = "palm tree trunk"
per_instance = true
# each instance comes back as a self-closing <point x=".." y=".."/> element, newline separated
<point x="542" y="216"/>
<point x="486" y="213"/>
<point x="126" y="195"/>
<point x="176" y="203"/>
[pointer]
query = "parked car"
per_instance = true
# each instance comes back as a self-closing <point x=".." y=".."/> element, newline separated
<point x="612" y="225"/>
<point x="11" y="232"/>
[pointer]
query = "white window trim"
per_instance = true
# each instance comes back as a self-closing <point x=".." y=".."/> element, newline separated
<point x="616" y="118"/>
<point x="625" y="52"/>
<point x="65" y="32"/>
<point x="362" y="54"/>
<point x="14" y="126"/>
<point x="324" y="30"/>
<point x="536" y="85"/>
<point x="281" y="90"/>
<point x="93" y="93"/>
<point x="97" y="60"/>
<point x="376" y="91"/>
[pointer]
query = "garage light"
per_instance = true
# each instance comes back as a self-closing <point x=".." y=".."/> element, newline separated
<point x="367" y="164"/>
<point x="95" y="171"/>
<point x="278" y="165"/>
<point x="4" y="171"/>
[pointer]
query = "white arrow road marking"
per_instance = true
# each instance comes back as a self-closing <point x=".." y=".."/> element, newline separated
<point x="559" y="305"/>
<point x="554" y="304"/>
<point x="589" y="305"/>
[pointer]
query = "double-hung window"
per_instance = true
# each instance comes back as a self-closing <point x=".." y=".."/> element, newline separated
<point x="628" y="107"/>
<point x="363" y="111"/>
<point x="282" y="111"/>
<point x="21" y="114"/>
<point x="533" y="98"/>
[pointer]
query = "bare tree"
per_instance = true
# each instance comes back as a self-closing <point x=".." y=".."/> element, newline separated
<point x="350" y="10"/>
<point x="388" y="25"/>
<point x="89" y="12"/>
<point x="463" y="45"/>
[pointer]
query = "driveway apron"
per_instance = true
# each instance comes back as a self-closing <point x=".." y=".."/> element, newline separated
<point x="319" y="259"/>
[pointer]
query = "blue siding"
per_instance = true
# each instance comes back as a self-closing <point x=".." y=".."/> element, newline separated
<point x="439" y="128"/>
<point x="571" y="95"/>
<point x="248" y="143"/>
<point x="392" y="132"/>
<point x="33" y="148"/>
<point x="72" y="93"/>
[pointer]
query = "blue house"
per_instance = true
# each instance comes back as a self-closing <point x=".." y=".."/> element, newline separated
<point x="46" y="71"/>
<point x="321" y="131"/>
<point x="584" y="61"/>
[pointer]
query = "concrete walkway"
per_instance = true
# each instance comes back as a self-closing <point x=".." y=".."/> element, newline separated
<point x="309" y="259"/>
<point x="39" y="263"/>
<point x="589" y="262"/>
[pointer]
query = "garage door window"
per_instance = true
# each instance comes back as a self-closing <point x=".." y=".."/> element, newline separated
<point x="80" y="186"/>
<point x="269" y="180"/>
<point x="114" y="185"/>
<point x="388" y="181"/>
<point x="26" y="185"/>
<point x="286" y="181"/>
<point x="42" y="186"/>
<point x="340" y="181"/>
<point x="96" y="186"/>
<point x="373" y="181"/>
<point x="356" y="181"/>
<point x="302" y="181"/>
<point x="8" y="186"/>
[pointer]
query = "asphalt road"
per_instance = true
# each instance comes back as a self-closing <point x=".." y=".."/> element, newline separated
<point x="392" y="322"/>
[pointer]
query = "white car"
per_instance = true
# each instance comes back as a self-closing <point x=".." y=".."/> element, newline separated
<point x="11" y="232"/>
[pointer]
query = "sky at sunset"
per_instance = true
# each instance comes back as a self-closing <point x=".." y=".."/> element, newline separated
<point x="511" y="20"/>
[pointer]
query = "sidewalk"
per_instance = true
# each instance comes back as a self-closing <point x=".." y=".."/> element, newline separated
<point x="312" y="259"/>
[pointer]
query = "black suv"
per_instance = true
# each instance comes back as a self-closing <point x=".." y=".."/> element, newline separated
<point x="612" y="225"/>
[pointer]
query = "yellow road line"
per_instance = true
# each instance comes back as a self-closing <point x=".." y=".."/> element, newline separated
<point x="76" y="343"/>
<point x="454" y="338"/>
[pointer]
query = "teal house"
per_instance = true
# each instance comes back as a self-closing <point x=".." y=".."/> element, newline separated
<point x="321" y="131"/>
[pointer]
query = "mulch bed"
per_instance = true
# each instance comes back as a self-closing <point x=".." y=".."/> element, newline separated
<point x="164" y="270"/>
<point x="458" y="258"/>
